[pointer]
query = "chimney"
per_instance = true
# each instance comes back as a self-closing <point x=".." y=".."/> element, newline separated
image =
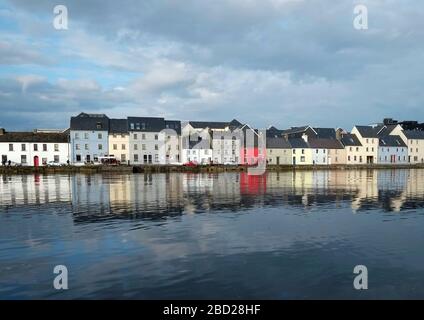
<point x="305" y="137"/>
<point x="338" y="134"/>
<point x="286" y="137"/>
<point x="2" y="131"/>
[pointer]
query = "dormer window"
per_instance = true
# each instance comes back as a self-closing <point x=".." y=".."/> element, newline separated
<point x="98" y="125"/>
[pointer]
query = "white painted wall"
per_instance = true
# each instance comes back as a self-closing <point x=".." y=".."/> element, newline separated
<point x="45" y="152"/>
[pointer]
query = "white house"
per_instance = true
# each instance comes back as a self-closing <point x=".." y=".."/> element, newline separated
<point x="34" y="148"/>
<point x="392" y="150"/>
<point x="89" y="137"/>
<point x="154" y="140"/>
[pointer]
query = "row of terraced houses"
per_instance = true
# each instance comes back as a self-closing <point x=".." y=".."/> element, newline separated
<point x="155" y="140"/>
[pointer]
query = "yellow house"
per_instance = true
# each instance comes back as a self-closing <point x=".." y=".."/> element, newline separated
<point x="368" y="136"/>
<point x="119" y="139"/>
<point x="414" y="139"/>
<point x="353" y="148"/>
<point x="278" y="151"/>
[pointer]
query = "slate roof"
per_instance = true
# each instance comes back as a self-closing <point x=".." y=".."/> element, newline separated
<point x="277" y="143"/>
<point x="391" y="141"/>
<point x="174" y="125"/>
<point x="350" y="140"/>
<point x="215" y="124"/>
<point x="90" y="122"/>
<point x="325" y="133"/>
<point x="298" y="143"/>
<point x="34" y="137"/>
<point x="386" y="129"/>
<point x="118" y="126"/>
<point x="414" y="134"/>
<point x="146" y="124"/>
<point x="369" y="131"/>
<point x="325" y="144"/>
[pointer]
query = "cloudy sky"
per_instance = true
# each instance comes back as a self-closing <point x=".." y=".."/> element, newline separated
<point x="264" y="62"/>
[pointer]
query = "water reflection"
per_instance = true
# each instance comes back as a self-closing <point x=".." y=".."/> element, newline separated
<point x="156" y="195"/>
<point x="282" y="235"/>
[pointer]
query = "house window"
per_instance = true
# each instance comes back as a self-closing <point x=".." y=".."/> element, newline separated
<point x="357" y="149"/>
<point x="348" y="158"/>
<point x="35" y="147"/>
<point x="135" y="147"/>
<point x="56" y="147"/>
<point x="303" y="151"/>
<point x="56" y="159"/>
<point x="123" y="147"/>
<point x="100" y="136"/>
<point x="10" y="146"/>
<point x="86" y="136"/>
<point x="156" y="147"/>
<point x="23" y="147"/>
<point x="132" y="126"/>
<point x="23" y="159"/>
<point x="302" y="159"/>
<point x="143" y="136"/>
<point x="143" y="147"/>
<point x="350" y="148"/>
<point x="135" y="136"/>
<point x="100" y="147"/>
<point x="77" y="136"/>
<point x="77" y="146"/>
<point x="156" y="158"/>
<point x="99" y="125"/>
<point x="44" y="147"/>
<point x="294" y="151"/>
<point x="136" y="158"/>
<point x="86" y="146"/>
<point x="156" y="137"/>
<point x="78" y="158"/>
<point x="115" y="147"/>
<point x="123" y="157"/>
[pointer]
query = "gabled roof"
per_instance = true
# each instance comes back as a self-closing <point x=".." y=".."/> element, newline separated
<point x="325" y="143"/>
<point x="90" y="122"/>
<point x="118" y="126"/>
<point x="369" y="131"/>
<point x="277" y="143"/>
<point x="391" y="141"/>
<point x="350" y="140"/>
<point x="146" y="124"/>
<point x="34" y="137"/>
<point x="325" y="133"/>
<point x="298" y="143"/>
<point x="414" y="134"/>
<point x="386" y="129"/>
<point x="294" y="130"/>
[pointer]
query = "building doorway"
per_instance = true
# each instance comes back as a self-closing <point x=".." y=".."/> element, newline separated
<point x="294" y="161"/>
<point x="370" y="159"/>
<point x="36" y="161"/>
<point x="278" y="160"/>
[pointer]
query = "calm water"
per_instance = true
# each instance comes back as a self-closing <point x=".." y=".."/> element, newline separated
<point x="280" y="236"/>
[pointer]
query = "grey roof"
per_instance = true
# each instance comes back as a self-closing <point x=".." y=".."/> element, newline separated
<point x="298" y="143"/>
<point x="414" y="134"/>
<point x="325" y="144"/>
<point x="90" y="121"/>
<point x="215" y="124"/>
<point x="34" y="137"/>
<point x="118" y="126"/>
<point x="325" y="133"/>
<point x="293" y="130"/>
<point x="277" y="143"/>
<point x="369" y="131"/>
<point x="386" y="129"/>
<point x="350" y="140"/>
<point x="174" y="125"/>
<point x="391" y="141"/>
<point x="146" y="124"/>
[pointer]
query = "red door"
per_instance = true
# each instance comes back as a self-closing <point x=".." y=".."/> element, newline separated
<point x="36" y="164"/>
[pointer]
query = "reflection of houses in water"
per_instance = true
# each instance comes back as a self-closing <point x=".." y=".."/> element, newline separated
<point x="34" y="189"/>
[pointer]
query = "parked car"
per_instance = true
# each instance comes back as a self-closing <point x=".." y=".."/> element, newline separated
<point x="191" y="164"/>
<point x="230" y="163"/>
<point x="54" y="164"/>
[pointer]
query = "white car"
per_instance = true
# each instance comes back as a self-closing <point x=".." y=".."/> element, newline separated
<point x="230" y="163"/>
<point x="54" y="164"/>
